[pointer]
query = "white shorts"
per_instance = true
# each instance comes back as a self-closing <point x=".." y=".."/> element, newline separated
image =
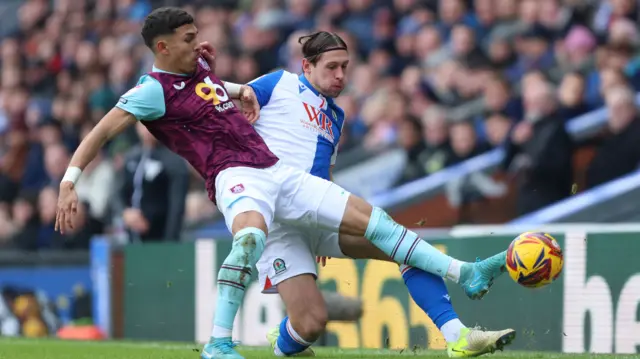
<point x="281" y="193"/>
<point x="291" y="251"/>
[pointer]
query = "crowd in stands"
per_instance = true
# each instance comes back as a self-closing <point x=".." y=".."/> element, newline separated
<point x="444" y="79"/>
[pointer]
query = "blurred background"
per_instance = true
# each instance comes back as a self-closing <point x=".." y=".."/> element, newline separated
<point x="459" y="113"/>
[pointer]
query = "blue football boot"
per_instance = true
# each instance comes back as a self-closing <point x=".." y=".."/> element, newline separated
<point x="476" y="278"/>
<point x="220" y="348"/>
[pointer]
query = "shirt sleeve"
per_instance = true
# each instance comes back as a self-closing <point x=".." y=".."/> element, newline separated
<point x="263" y="86"/>
<point x="145" y="101"/>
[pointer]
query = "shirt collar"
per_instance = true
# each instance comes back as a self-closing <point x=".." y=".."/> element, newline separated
<point x="155" y="69"/>
<point x="306" y="82"/>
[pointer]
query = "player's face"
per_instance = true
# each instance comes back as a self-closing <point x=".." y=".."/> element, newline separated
<point x="182" y="48"/>
<point x="328" y="75"/>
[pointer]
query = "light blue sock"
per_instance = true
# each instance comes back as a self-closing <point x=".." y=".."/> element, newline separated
<point x="404" y="246"/>
<point x="289" y="341"/>
<point x="234" y="276"/>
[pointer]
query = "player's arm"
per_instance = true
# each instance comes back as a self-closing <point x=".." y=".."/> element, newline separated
<point x="254" y="95"/>
<point x="143" y="102"/>
<point x="233" y="89"/>
<point x="112" y="124"/>
<point x="248" y="100"/>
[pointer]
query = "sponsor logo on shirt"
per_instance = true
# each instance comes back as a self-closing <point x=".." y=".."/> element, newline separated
<point x="211" y="91"/>
<point x="318" y="122"/>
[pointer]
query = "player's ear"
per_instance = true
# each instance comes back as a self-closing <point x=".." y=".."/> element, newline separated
<point x="162" y="47"/>
<point x="306" y="66"/>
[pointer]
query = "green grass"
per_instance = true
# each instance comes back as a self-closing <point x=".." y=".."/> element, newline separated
<point x="56" y="349"/>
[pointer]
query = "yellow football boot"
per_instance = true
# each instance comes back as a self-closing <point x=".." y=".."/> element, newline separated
<point x="475" y="342"/>
<point x="272" y="337"/>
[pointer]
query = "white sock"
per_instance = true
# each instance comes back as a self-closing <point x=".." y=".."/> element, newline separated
<point x="277" y="351"/>
<point x="220" y="332"/>
<point x="296" y="336"/>
<point x="453" y="273"/>
<point x="451" y="330"/>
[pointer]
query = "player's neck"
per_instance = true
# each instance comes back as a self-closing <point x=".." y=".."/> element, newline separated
<point x="166" y="67"/>
<point x="316" y="89"/>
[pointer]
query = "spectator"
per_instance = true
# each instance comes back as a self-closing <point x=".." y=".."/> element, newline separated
<point x="576" y="48"/>
<point x="26" y="224"/>
<point x="453" y="12"/>
<point x="478" y="185"/>
<point x="463" y="40"/>
<point x="535" y="52"/>
<point x="618" y="153"/>
<point x="151" y="191"/>
<point x="539" y="151"/>
<point x="624" y="31"/>
<point x="56" y="161"/>
<point x="47" y="204"/>
<point x="464" y="143"/>
<point x="501" y="53"/>
<point x="13" y="154"/>
<point x="571" y="96"/>
<point x="428" y="43"/>
<point x="498" y="97"/>
<point x="497" y="127"/>
<point x="410" y="139"/>
<point x="601" y="82"/>
<point x="47" y="133"/>
<point x="610" y="78"/>
<point x="437" y="151"/>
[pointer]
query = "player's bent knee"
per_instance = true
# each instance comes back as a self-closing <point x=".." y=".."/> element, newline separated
<point x="305" y="305"/>
<point x="361" y="248"/>
<point x="356" y="217"/>
<point x="249" y="219"/>
<point x="248" y="245"/>
<point x="311" y="323"/>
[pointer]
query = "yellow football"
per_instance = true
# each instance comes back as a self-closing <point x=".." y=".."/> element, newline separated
<point x="534" y="259"/>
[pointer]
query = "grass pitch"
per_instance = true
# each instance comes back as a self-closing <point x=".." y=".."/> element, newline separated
<point x="56" y="349"/>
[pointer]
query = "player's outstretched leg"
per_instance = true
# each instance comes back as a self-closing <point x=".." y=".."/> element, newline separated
<point x="430" y="293"/>
<point x="234" y="276"/>
<point x="405" y="247"/>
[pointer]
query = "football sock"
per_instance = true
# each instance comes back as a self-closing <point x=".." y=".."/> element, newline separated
<point x="430" y="293"/>
<point x="234" y="276"/>
<point x="454" y="271"/>
<point x="289" y="341"/>
<point x="451" y="330"/>
<point x="405" y="247"/>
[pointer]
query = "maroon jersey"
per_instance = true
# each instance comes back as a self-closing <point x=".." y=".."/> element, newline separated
<point x="203" y="125"/>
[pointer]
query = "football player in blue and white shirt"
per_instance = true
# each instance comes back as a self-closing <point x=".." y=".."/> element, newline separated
<point x="301" y="124"/>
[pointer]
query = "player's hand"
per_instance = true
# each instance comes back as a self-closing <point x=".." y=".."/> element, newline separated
<point x="67" y="206"/>
<point x="322" y="260"/>
<point x="250" y="105"/>
<point x="209" y="53"/>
